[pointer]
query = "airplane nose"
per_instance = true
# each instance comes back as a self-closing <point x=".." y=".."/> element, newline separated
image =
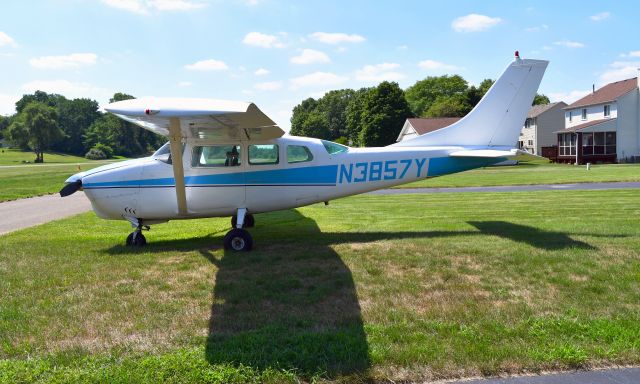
<point x="73" y="184"/>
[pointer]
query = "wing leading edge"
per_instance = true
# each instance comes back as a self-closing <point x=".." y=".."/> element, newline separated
<point x="198" y="118"/>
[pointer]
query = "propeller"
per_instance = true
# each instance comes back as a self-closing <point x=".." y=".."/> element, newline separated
<point x="70" y="188"/>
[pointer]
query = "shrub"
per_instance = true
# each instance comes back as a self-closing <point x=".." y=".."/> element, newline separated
<point x="95" y="154"/>
<point x="107" y="150"/>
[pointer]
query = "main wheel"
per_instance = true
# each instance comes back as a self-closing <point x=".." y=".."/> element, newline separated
<point x="138" y="241"/>
<point x="238" y="240"/>
<point x="249" y="221"/>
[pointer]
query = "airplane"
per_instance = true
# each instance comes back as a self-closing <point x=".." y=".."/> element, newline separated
<point x="227" y="158"/>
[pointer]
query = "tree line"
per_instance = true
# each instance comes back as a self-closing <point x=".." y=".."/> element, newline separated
<point x="45" y="121"/>
<point x="374" y="116"/>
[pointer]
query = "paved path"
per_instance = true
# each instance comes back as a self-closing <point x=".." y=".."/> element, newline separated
<point x="23" y="213"/>
<point x="606" y="376"/>
<point x="513" y="188"/>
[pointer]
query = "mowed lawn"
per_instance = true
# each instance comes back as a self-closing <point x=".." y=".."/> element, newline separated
<point x="533" y="173"/>
<point x="20" y="180"/>
<point x="412" y="287"/>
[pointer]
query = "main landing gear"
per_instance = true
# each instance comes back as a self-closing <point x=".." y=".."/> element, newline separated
<point x="239" y="239"/>
<point x="136" y="238"/>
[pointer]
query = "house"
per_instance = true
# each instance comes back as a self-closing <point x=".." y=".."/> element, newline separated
<point x="540" y="127"/>
<point x="603" y="126"/>
<point x="419" y="126"/>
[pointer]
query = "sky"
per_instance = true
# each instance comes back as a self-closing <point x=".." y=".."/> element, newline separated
<point x="277" y="53"/>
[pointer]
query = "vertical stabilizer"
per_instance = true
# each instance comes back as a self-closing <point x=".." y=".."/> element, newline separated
<point x="498" y="118"/>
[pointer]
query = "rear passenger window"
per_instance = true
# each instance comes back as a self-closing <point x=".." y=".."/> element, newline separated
<point x="298" y="154"/>
<point x="263" y="154"/>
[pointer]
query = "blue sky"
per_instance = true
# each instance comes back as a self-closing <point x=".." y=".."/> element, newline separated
<point x="276" y="53"/>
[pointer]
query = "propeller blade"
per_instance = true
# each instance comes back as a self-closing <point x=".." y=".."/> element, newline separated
<point x="70" y="188"/>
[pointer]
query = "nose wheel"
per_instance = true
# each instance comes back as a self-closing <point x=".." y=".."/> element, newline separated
<point x="136" y="238"/>
<point x="238" y="239"/>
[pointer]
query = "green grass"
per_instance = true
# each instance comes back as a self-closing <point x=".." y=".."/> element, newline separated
<point x="533" y="173"/>
<point x="412" y="287"/>
<point x="17" y="157"/>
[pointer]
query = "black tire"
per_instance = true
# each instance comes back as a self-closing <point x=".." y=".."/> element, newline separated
<point x="139" y="241"/>
<point x="238" y="240"/>
<point x="249" y="221"/>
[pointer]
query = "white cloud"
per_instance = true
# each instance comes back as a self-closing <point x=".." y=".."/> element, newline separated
<point x="570" y="44"/>
<point x="402" y="47"/>
<point x="74" y="60"/>
<point x="317" y="79"/>
<point x="474" y="23"/>
<point x="207" y="65"/>
<point x="261" y="72"/>
<point x="379" y="72"/>
<point x="537" y="28"/>
<point x="268" y="86"/>
<point x="263" y="40"/>
<point x="310" y="56"/>
<point x="67" y="88"/>
<point x="252" y="3"/>
<point x="7" y="40"/>
<point x="620" y="70"/>
<point x="336" y="38"/>
<point x="568" y="97"/>
<point x="436" y="66"/>
<point x="8" y="104"/>
<point x="145" y="6"/>
<point x="631" y="54"/>
<point x="185" y="84"/>
<point x="600" y="16"/>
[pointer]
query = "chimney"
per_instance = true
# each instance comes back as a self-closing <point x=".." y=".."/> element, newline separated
<point x="593" y="88"/>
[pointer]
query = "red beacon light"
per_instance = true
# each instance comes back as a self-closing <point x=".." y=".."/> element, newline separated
<point x="517" y="54"/>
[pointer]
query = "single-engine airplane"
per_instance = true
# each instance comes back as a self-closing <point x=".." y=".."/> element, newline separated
<point x="227" y="158"/>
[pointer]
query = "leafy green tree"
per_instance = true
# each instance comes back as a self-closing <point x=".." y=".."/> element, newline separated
<point x="385" y="111"/>
<point x="353" y="115"/>
<point x="316" y="125"/>
<point x="75" y="117"/>
<point x="540" y="99"/>
<point x="38" y="122"/>
<point x="52" y="100"/>
<point x="452" y="106"/>
<point x="334" y="106"/>
<point x="424" y="93"/>
<point x="300" y="114"/>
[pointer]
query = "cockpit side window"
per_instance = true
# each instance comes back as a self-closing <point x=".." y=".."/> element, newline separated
<point x="334" y="148"/>
<point x="216" y="156"/>
<point x="298" y="154"/>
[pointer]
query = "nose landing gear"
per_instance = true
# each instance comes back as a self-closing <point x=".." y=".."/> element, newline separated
<point x="136" y="238"/>
<point x="238" y="239"/>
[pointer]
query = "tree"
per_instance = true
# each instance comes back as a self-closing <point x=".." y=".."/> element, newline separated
<point x="300" y="114"/>
<point x="38" y="122"/>
<point x="353" y="115"/>
<point x="424" y="93"/>
<point x="74" y="118"/>
<point x="385" y="111"/>
<point x="540" y="99"/>
<point x="316" y="125"/>
<point x="334" y="106"/>
<point x="452" y="106"/>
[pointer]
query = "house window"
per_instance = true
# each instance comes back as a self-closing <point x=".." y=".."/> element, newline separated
<point x="263" y="154"/>
<point x="584" y="113"/>
<point x="530" y="142"/>
<point x="566" y="144"/>
<point x="520" y="144"/>
<point x="570" y="116"/>
<point x="527" y="123"/>
<point x="607" y="110"/>
<point x="599" y="143"/>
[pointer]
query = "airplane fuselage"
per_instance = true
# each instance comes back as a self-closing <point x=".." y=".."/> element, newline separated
<point x="270" y="175"/>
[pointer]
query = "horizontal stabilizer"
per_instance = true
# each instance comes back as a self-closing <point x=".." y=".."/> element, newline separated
<point x="512" y="154"/>
<point x="199" y="118"/>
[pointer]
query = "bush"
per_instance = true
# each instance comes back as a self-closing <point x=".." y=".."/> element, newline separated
<point x="342" y="140"/>
<point x="95" y="154"/>
<point x="107" y="150"/>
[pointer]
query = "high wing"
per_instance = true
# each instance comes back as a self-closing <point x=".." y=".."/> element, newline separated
<point x="198" y="118"/>
<point x="208" y="119"/>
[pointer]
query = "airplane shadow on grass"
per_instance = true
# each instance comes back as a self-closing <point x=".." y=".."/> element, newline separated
<point x="292" y="302"/>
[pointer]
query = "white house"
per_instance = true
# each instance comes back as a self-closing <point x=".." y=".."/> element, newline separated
<point x="540" y="127"/>
<point x="603" y="126"/>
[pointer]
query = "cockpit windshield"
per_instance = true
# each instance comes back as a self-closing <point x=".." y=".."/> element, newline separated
<point x="334" y="148"/>
<point x="163" y="153"/>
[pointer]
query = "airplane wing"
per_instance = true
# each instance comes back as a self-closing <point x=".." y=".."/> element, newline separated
<point x="198" y="118"/>
<point x="512" y="154"/>
<point x="210" y="119"/>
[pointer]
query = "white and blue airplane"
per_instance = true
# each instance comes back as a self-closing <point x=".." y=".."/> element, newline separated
<point x="227" y="158"/>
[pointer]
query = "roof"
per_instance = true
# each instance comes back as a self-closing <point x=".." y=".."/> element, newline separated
<point x="538" y="110"/>
<point x="609" y="92"/>
<point x="426" y="125"/>
<point x="585" y="125"/>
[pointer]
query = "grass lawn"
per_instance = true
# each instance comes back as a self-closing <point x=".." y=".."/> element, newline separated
<point x="533" y="173"/>
<point x="20" y="180"/>
<point x="411" y="287"/>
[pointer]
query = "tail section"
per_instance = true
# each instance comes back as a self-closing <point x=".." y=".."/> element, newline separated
<point x="498" y="118"/>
